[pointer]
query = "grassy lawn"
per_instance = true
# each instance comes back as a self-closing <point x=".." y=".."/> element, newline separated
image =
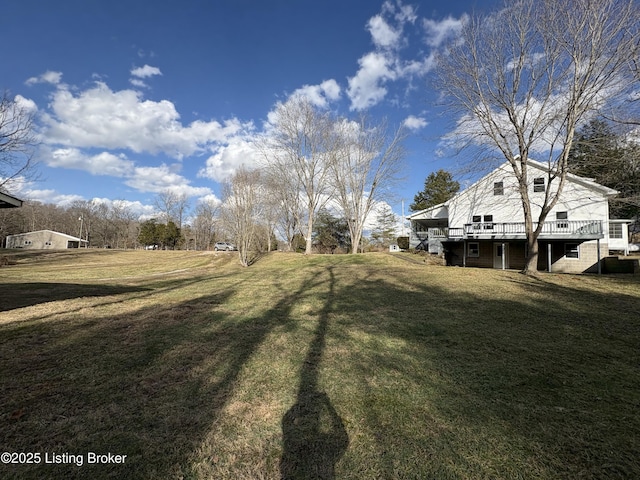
<point x="344" y="367"/>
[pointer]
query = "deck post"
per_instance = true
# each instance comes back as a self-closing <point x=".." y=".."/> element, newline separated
<point x="549" y="257"/>
<point x="504" y="266"/>
<point x="464" y="253"/>
<point x="599" y="263"/>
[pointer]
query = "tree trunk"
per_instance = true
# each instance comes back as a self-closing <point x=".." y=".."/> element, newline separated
<point x="356" y="239"/>
<point x="309" y="245"/>
<point x="531" y="260"/>
<point x="531" y="257"/>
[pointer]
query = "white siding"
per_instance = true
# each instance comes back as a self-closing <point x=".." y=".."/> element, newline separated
<point x="42" y="239"/>
<point x="581" y="202"/>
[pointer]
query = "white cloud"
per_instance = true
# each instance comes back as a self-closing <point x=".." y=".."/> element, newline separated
<point x="365" y="88"/>
<point x="530" y="61"/>
<point x="210" y="199"/>
<point x="49" y="76"/>
<point x="163" y="178"/>
<point x="101" y="118"/>
<point x="418" y="67"/>
<point x="27" y="191"/>
<point x="142" y="178"/>
<point x="228" y="158"/>
<point x="104" y="163"/>
<point x="136" y="82"/>
<point x="50" y="196"/>
<point x="383" y="34"/>
<point x="145" y="72"/>
<point x="415" y="123"/>
<point x="25" y="104"/>
<point x="320" y="95"/>
<point x="546" y="116"/>
<point x="385" y="63"/>
<point x="439" y="31"/>
<point x="405" y="13"/>
<point x="139" y="209"/>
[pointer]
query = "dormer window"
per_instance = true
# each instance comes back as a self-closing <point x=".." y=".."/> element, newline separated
<point x="538" y="184"/>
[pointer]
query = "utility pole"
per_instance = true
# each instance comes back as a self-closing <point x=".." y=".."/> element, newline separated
<point x="80" y="236"/>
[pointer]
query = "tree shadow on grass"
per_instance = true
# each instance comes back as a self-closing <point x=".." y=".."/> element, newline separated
<point x="314" y="436"/>
<point x="491" y="387"/>
<point x="147" y="384"/>
<point x="19" y="295"/>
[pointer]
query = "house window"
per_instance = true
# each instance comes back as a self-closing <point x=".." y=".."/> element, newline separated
<point x="476" y="219"/>
<point x="615" y="230"/>
<point x="48" y="244"/>
<point x="473" y="249"/>
<point x="538" y="184"/>
<point x="498" y="188"/>
<point x="561" y="220"/>
<point x="488" y="219"/>
<point x="27" y="242"/>
<point x="572" y="250"/>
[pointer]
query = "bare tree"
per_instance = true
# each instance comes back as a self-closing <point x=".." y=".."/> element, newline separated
<point x="205" y="222"/>
<point x="365" y="167"/>
<point x="172" y="205"/>
<point x="87" y="217"/>
<point x="124" y="220"/>
<point x="283" y="205"/>
<point x="524" y="78"/>
<point x="299" y="150"/>
<point x="241" y="210"/>
<point x="17" y="140"/>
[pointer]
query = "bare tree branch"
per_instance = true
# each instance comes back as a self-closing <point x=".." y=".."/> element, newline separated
<point x="524" y="78"/>
<point x="299" y="150"/>
<point x="365" y="167"/>
<point x="17" y="141"/>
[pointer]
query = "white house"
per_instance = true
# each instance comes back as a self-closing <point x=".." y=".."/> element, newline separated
<point x="483" y="226"/>
<point x="43" y="239"/>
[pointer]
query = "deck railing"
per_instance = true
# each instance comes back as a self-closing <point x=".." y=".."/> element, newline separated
<point x="550" y="229"/>
<point x="559" y="228"/>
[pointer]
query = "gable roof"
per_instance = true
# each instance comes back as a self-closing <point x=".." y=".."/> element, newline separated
<point x="63" y="235"/>
<point x="428" y="212"/>
<point x="543" y="168"/>
<point x="584" y="181"/>
<point x="431" y="212"/>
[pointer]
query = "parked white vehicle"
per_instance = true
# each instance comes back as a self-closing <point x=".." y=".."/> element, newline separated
<point x="224" y="246"/>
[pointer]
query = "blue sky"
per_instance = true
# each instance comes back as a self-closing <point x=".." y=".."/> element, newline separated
<point x="136" y="97"/>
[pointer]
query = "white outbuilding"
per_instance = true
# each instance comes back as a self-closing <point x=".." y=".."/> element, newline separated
<point x="44" y="240"/>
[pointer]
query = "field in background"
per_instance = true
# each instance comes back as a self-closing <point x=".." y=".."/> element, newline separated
<point x="344" y="366"/>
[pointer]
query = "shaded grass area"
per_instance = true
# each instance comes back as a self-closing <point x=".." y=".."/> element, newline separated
<point x="318" y="367"/>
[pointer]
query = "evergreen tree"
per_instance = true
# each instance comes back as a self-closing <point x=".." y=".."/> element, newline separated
<point x="438" y="188"/>
<point x="330" y="232"/>
<point x="384" y="233"/>
<point x="149" y="233"/>
<point x="171" y="235"/>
